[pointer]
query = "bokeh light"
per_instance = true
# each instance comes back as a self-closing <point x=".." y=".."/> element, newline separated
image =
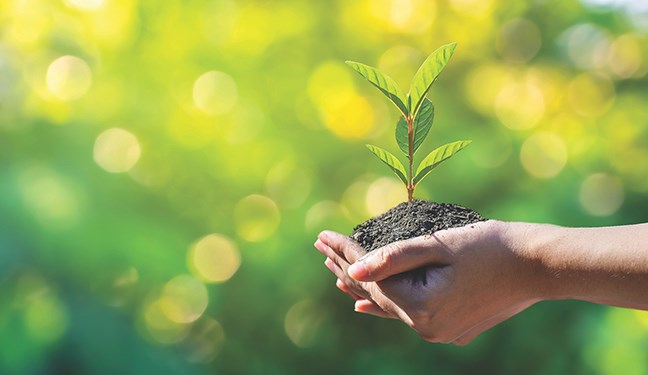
<point x="400" y="63"/>
<point x="343" y="110"/>
<point x="117" y="150"/>
<point x="46" y="318"/>
<point x="543" y="155"/>
<point x="586" y="45"/>
<point x="326" y="212"/>
<point x="288" y="184"/>
<point x="383" y="194"/>
<point x="86" y="5"/>
<point x="411" y="16"/>
<point x="625" y="57"/>
<point x="519" y="40"/>
<point x="206" y="340"/>
<point x="214" y="258"/>
<point x="302" y="322"/>
<point x="215" y="93"/>
<point x="601" y="194"/>
<point x="68" y="77"/>
<point x="520" y="105"/>
<point x="160" y="327"/>
<point x="472" y="7"/>
<point x="591" y="95"/>
<point x="49" y="197"/>
<point x="256" y="217"/>
<point x="184" y="299"/>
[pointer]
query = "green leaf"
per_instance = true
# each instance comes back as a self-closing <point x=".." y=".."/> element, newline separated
<point x="401" y="135"/>
<point x="383" y="82"/>
<point x="437" y="156"/>
<point x="426" y="75"/>
<point x="391" y="161"/>
<point x="422" y="125"/>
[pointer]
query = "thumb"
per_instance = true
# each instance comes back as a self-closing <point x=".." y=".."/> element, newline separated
<point x="399" y="257"/>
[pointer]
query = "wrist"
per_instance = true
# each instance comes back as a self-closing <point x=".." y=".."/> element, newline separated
<point x="530" y="245"/>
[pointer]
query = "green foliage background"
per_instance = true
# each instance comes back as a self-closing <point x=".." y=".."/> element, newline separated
<point x="132" y="129"/>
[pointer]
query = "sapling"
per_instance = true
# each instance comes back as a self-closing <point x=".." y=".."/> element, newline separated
<point x="417" y="116"/>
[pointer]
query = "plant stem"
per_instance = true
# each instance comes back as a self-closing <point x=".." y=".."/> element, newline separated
<point x="410" y="157"/>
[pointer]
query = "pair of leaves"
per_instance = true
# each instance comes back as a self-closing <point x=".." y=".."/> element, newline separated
<point x="422" y="125"/>
<point x="423" y="79"/>
<point x="431" y="161"/>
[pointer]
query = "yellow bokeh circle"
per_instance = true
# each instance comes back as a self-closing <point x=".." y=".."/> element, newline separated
<point x="520" y="105"/>
<point x="116" y="150"/>
<point x="383" y="194"/>
<point x="215" y="93"/>
<point x="68" y="77"/>
<point x="601" y="194"/>
<point x="184" y="299"/>
<point x="86" y="5"/>
<point x="302" y="323"/>
<point x="214" y="258"/>
<point x="591" y="95"/>
<point x="543" y="155"/>
<point x="256" y="217"/>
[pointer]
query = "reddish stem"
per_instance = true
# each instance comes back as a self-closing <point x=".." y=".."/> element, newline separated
<point x="410" y="157"/>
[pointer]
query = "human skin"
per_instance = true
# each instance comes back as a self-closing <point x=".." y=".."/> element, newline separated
<point x="479" y="275"/>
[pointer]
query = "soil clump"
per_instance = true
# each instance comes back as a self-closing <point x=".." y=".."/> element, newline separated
<point x="412" y="219"/>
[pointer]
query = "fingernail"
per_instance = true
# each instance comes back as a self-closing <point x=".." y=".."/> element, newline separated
<point x="358" y="270"/>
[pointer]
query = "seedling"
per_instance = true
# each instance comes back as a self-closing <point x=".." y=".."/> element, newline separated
<point x="416" y="120"/>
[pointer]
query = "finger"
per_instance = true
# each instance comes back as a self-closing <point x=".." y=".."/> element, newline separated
<point x="337" y="271"/>
<point x="398" y="257"/>
<point x="344" y="281"/>
<point x="330" y="253"/>
<point x="343" y="245"/>
<point x="369" y="307"/>
<point x="343" y="287"/>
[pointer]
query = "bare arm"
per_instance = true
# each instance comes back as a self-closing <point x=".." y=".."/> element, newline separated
<point x="606" y="265"/>
<point x="480" y="275"/>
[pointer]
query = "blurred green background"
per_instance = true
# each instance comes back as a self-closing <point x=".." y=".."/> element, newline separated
<point x="165" y="167"/>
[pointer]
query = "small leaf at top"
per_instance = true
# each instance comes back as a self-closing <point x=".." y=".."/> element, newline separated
<point x="426" y="75"/>
<point x="391" y="161"/>
<point x="383" y="82"/>
<point x="437" y="156"/>
<point x="422" y="125"/>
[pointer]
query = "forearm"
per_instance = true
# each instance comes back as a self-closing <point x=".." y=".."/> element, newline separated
<point x="606" y="265"/>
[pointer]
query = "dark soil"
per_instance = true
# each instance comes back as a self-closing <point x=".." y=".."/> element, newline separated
<point x="412" y="219"/>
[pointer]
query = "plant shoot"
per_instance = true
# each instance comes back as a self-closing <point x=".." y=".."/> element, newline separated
<point x="417" y="116"/>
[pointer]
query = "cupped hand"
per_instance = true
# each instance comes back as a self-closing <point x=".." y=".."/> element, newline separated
<point x="449" y="287"/>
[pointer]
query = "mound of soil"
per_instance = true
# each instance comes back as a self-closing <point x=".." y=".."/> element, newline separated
<point x="412" y="219"/>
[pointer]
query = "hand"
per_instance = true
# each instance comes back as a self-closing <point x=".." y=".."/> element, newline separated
<point x="466" y="280"/>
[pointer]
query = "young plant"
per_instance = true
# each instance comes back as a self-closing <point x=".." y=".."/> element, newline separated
<point x="416" y="120"/>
